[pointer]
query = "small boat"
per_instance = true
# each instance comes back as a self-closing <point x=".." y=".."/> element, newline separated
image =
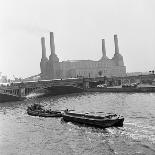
<point x="37" y="110"/>
<point x="111" y="120"/>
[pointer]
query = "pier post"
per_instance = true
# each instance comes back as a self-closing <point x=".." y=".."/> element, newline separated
<point x="21" y="92"/>
<point x="85" y="84"/>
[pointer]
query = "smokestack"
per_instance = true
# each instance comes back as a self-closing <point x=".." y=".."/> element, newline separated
<point x="43" y="47"/>
<point x="116" y="44"/>
<point x="52" y="46"/>
<point x="103" y="48"/>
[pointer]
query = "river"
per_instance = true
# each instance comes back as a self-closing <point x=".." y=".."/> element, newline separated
<point x="21" y="134"/>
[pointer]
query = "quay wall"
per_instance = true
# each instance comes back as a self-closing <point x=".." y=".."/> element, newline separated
<point x="117" y="90"/>
<point x="9" y="98"/>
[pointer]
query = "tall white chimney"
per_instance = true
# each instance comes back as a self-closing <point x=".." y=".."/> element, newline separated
<point x="116" y="43"/>
<point x="52" y="46"/>
<point x="103" y="48"/>
<point x="43" y="47"/>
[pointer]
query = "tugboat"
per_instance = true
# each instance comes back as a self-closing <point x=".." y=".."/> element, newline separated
<point x="111" y="120"/>
<point x="38" y="110"/>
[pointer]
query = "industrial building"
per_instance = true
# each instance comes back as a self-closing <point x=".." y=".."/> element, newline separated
<point x="52" y="68"/>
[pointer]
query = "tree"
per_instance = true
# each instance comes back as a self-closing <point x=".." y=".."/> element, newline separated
<point x="151" y="71"/>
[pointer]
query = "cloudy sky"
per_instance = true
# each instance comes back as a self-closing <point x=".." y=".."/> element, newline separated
<point x="78" y="26"/>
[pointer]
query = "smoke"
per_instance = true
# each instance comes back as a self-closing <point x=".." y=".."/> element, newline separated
<point x="34" y="30"/>
<point x="31" y="29"/>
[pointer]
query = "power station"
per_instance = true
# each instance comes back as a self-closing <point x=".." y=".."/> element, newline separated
<point x="52" y="68"/>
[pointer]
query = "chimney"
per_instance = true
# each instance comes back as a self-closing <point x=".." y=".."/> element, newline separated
<point x="43" y="47"/>
<point x="116" y="43"/>
<point x="103" y="48"/>
<point x="52" y="46"/>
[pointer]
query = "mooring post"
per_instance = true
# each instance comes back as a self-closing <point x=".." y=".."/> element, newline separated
<point x="85" y="84"/>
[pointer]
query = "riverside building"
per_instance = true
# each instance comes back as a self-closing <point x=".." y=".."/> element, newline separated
<point x="52" y="68"/>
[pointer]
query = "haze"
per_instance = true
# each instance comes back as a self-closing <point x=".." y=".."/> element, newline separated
<point x="78" y="26"/>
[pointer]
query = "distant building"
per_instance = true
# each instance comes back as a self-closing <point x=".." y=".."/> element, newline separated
<point x="153" y="82"/>
<point x="51" y="68"/>
<point x="3" y="78"/>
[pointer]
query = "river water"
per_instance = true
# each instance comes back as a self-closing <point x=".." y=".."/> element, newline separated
<point x="21" y="134"/>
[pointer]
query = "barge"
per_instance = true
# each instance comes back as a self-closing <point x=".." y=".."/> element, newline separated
<point x="112" y="120"/>
<point x="21" y="91"/>
<point x="4" y="97"/>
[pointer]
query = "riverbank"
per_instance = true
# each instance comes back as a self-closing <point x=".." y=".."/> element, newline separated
<point x="117" y="89"/>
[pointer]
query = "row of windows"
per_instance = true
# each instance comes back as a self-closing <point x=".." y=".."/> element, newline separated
<point x="89" y="65"/>
<point x="89" y="73"/>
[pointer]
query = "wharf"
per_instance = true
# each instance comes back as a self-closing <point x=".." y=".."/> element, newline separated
<point x="22" y="90"/>
<point x="117" y="89"/>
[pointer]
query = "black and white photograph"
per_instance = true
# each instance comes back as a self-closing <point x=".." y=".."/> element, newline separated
<point x="77" y="77"/>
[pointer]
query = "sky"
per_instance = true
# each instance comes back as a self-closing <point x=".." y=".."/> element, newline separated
<point x="78" y="26"/>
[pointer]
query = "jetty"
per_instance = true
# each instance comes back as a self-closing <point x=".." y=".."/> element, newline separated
<point x="21" y="90"/>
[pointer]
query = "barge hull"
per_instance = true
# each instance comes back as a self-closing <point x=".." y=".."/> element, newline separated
<point x="60" y="90"/>
<point x="9" y="98"/>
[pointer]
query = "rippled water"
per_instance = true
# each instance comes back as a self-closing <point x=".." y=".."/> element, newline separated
<point x="24" y="135"/>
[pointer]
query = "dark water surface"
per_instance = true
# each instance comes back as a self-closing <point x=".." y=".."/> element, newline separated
<point x="21" y="134"/>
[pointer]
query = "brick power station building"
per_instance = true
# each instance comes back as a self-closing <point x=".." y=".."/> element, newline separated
<point x="52" y="68"/>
